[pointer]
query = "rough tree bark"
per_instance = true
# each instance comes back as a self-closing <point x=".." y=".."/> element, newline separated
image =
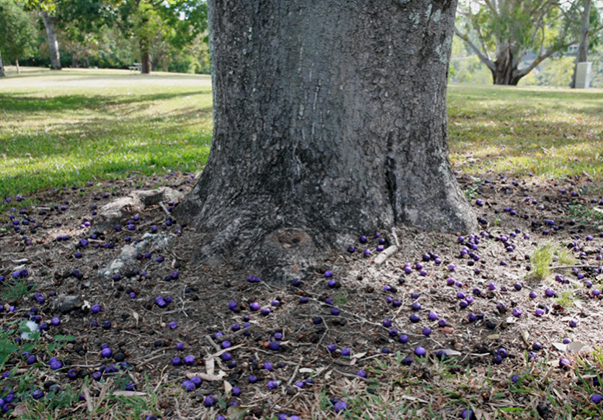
<point x="2" y="74"/>
<point x="329" y="122"/>
<point x="53" y="44"/>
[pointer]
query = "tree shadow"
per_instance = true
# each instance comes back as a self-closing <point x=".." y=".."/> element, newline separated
<point x="21" y="102"/>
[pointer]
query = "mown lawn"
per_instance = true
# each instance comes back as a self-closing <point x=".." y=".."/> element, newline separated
<point x="551" y="133"/>
<point x="76" y="126"/>
<point x="68" y="128"/>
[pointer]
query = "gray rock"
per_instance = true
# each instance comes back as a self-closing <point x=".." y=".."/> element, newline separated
<point x="113" y="213"/>
<point x="127" y="256"/>
<point x="67" y="303"/>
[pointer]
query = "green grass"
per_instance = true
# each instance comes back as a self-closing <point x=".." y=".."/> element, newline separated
<point x="76" y="126"/>
<point x="552" y="133"/>
<point x="543" y="257"/>
<point x="16" y="290"/>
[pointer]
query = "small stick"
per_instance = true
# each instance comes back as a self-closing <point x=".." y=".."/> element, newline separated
<point x="385" y="254"/>
<point x="165" y="210"/>
<point x="351" y="375"/>
<point x="213" y="343"/>
<point x="295" y="371"/>
<point x="237" y="333"/>
<point x="557" y="267"/>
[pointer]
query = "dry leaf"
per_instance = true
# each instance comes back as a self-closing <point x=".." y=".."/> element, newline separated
<point x="19" y="410"/>
<point x="210" y="366"/>
<point x="560" y="346"/>
<point x="575" y="346"/>
<point x="525" y="335"/>
<point x="449" y="352"/>
<point x="207" y="377"/>
<point x="235" y="412"/>
<point x="130" y="393"/>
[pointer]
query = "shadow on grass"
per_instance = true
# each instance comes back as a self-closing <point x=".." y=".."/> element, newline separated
<point x="19" y="102"/>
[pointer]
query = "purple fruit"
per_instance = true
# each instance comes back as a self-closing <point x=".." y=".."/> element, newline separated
<point x="596" y="398"/>
<point x="420" y="351"/>
<point x="340" y="406"/>
<point x="414" y="318"/>
<point x="564" y="363"/>
<point x="467" y="414"/>
<point x="188" y="386"/>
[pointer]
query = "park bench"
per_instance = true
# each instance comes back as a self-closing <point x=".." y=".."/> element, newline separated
<point x="136" y="67"/>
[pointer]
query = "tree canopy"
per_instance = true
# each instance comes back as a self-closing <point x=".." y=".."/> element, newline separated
<point x="506" y="33"/>
<point x="18" y="34"/>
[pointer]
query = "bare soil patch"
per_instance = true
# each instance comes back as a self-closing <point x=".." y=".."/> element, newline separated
<point x="298" y="348"/>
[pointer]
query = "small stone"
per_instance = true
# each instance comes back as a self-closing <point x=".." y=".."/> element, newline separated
<point x="67" y="303"/>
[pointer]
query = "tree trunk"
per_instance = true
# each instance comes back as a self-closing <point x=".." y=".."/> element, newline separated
<point x="17" y="65"/>
<point x="584" y="35"/>
<point x="145" y="58"/>
<point x="329" y="122"/>
<point x="2" y="74"/>
<point x="53" y="44"/>
<point x="506" y="72"/>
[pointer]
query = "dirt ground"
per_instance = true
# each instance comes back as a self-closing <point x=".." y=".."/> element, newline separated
<point x="317" y="337"/>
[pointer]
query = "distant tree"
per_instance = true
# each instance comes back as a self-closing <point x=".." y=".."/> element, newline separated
<point x="18" y="34"/>
<point x="47" y="10"/>
<point x="503" y="32"/>
<point x="152" y="22"/>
